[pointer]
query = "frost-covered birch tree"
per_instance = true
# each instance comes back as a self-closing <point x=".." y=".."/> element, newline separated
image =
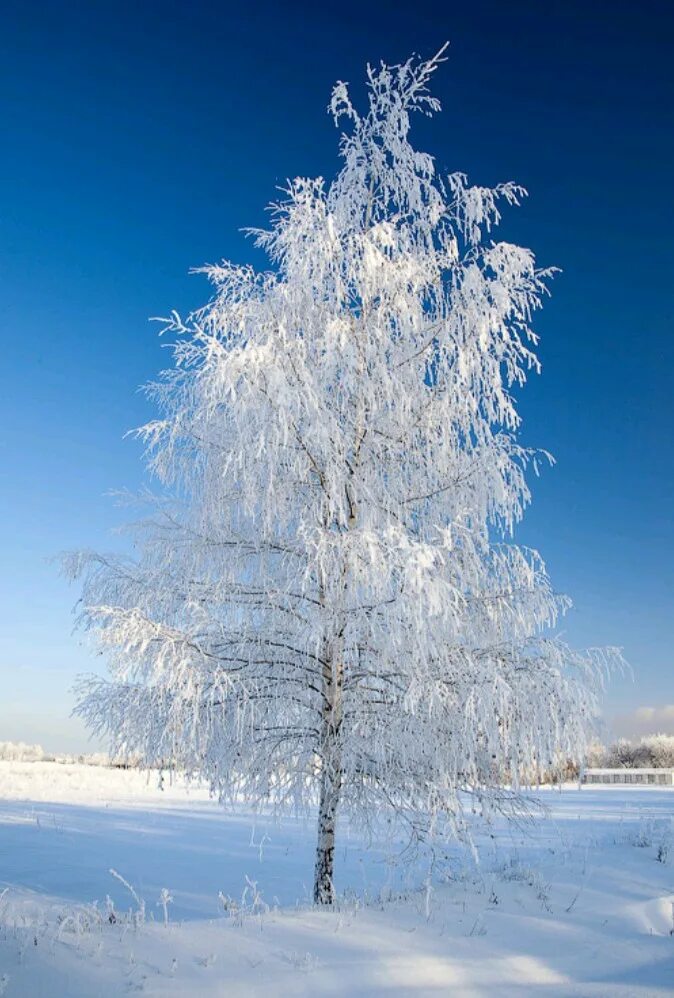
<point x="326" y="606"/>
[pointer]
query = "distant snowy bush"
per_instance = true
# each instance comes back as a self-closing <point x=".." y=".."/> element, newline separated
<point x="20" y="752"/>
<point x="662" y="749"/>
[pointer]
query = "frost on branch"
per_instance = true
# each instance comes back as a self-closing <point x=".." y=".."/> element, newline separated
<point x="327" y="603"/>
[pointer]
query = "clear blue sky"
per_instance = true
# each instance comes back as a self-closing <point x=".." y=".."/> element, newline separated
<point x="138" y="138"/>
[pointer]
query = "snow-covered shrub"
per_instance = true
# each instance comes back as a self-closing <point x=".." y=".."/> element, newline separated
<point x="642" y="838"/>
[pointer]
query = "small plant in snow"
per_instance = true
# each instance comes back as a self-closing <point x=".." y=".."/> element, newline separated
<point x="259" y="845"/>
<point x="165" y="899"/>
<point x="478" y="928"/>
<point x="228" y="905"/>
<point x="301" y="961"/>
<point x="514" y="871"/>
<point x="643" y="837"/>
<point x="79" y="920"/>
<point x="252" y="902"/>
<point x="137" y="916"/>
<point x="543" y="895"/>
<point x="665" y="844"/>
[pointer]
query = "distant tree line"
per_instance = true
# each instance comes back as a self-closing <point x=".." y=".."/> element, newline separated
<point x="22" y="752"/>
<point x="650" y="752"/>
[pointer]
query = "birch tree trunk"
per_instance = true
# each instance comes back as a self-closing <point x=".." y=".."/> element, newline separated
<point x="324" y="890"/>
<point x="331" y="772"/>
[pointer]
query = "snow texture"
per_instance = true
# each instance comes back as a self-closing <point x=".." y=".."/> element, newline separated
<point x="577" y="905"/>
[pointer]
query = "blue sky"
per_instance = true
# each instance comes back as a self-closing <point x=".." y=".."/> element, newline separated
<point x="139" y="138"/>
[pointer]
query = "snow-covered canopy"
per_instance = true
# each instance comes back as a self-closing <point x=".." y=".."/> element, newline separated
<point x="328" y="575"/>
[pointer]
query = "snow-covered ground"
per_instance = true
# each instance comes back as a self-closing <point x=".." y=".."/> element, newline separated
<point x="578" y="904"/>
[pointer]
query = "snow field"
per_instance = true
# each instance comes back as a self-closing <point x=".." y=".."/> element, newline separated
<point x="577" y="904"/>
